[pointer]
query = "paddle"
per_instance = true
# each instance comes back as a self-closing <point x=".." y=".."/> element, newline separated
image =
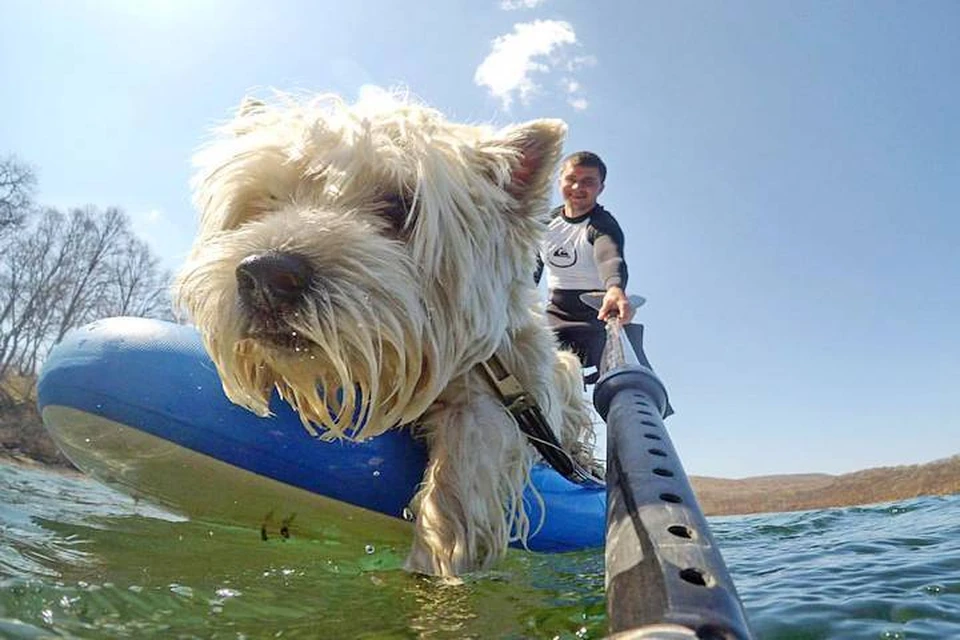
<point x="665" y="577"/>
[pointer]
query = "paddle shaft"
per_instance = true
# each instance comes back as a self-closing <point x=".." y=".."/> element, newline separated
<point x="665" y="577"/>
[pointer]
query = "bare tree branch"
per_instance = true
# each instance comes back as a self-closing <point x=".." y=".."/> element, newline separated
<point x="17" y="183"/>
<point x="62" y="271"/>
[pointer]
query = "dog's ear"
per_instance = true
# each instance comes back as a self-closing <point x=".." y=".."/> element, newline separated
<point x="536" y="147"/>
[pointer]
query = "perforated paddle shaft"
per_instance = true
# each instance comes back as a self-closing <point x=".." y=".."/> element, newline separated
<point x="665" y="577"/>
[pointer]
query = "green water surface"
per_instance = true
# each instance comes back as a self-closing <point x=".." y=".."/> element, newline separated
<point x="78" y="560"/>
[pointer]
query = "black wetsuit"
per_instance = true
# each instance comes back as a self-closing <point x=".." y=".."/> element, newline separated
<point x="582" y="254"/>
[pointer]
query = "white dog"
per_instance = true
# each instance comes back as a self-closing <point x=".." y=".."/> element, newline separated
<point x="363" y="261"/>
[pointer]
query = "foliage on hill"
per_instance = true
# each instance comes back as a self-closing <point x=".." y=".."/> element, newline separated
<point x="817" y="491"/>
<point x="22" y="436"/>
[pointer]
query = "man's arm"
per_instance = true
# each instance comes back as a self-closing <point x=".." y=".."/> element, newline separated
<point x="611" y="265"/>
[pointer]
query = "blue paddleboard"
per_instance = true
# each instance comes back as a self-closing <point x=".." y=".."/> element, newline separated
<point x="137" y="404"/>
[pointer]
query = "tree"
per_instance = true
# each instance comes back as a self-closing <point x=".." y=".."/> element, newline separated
<point x="61" y="271"/>
<point x="17" y="183"/>
<point x="136" y="285"/>
<point x="34" y="262"/>
<point x="100" y="236"/>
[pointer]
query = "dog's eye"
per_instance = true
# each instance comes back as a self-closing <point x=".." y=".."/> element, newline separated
<point x="396" y="210"/>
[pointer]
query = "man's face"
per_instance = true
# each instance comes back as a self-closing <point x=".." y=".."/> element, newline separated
<point x="580" y="187"/>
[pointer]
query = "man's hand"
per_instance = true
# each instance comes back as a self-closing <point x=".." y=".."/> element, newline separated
<point x="616" y="303"/>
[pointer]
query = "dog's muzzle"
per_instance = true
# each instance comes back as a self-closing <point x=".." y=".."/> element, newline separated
<point x="271" y="286"/>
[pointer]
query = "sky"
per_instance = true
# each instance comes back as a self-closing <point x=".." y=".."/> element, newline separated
<point x="786" y="174"/>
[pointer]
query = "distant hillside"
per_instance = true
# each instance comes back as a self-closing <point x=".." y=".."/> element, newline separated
<point x="798" y="492"/>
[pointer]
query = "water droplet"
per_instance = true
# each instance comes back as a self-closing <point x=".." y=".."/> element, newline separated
<point x="369" y="549"/>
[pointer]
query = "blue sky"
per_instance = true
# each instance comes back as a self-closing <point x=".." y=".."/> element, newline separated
<point x="787" y="174"/>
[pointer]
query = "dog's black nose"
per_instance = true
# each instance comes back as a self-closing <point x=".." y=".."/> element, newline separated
<point x="273" y="277"/>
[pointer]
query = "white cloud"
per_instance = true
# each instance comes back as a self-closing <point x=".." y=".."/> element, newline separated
<point x="533" y="47"/>
<point x="512" y="5"/>
<point x="580" y="62"/>
<point x="574" y="93"/>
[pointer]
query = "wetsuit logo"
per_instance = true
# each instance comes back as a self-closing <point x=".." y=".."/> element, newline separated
<point x="562" y="257"/>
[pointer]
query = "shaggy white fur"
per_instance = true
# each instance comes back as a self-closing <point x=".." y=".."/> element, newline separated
<point x="362" y="260"/>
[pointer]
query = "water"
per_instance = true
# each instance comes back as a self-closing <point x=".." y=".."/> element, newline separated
<point x="78" y="560"/>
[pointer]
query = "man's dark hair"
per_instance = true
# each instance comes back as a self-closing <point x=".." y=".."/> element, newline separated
<point x="586" y="159"/>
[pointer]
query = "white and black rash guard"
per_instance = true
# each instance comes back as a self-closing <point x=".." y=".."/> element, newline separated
<point x="580" y="254"/>
<point x="584" y="253"/>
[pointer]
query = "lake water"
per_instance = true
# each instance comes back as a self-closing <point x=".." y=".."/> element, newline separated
<point x="78" y="560"/>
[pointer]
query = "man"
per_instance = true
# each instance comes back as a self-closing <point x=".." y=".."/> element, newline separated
<point x="583" y="252"/>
